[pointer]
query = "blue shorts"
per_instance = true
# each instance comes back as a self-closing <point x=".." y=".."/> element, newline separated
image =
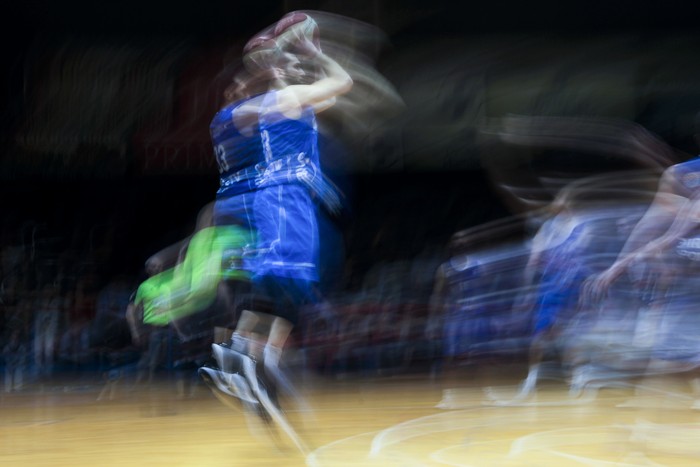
<point x="283" y="219"/>
<point x="282" y="296"/>
<point x="287" y="232"/>
<point x="553" y="306"/>
<point x="283" y="261"/>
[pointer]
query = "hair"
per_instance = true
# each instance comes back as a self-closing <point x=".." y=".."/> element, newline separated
<point x="261" y="54"/>
<point x="242" y="78"/>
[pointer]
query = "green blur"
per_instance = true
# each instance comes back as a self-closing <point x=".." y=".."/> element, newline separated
<point x="213" y="254"/>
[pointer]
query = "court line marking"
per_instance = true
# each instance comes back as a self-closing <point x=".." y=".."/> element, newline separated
<point x="455" y="420"/>
<point x="312" y="458"/>
<point x="419" y="427"/>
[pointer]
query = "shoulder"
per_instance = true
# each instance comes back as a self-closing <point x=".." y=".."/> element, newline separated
<point x="284" y="102"/>
<point x="686" y="173"/>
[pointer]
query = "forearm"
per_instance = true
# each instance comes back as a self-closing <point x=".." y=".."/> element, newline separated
<point x="685" y="222"/>
<point x="657" y="232"/>
<point x="332" y="69"/>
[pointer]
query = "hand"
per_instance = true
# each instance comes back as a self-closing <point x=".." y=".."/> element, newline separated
<point x="595" y="288"/>
<point x="298" y="33"/>
<point x="306" y="47"/>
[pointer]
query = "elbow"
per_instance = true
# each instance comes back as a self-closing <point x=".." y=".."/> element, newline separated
<point x="346" y="84"/>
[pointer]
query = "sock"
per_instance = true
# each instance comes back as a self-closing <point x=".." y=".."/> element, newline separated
<point x="272" y="356"/>
<point x="240" y="343"/>
<point x="531" y="380"/>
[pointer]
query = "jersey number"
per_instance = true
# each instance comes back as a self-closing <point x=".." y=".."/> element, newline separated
<point x="221" y="157"/>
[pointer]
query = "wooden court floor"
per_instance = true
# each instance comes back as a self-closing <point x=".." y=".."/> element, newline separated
<point x="384" y="421"/>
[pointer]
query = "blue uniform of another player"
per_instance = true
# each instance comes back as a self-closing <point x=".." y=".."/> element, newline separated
<point x="561" y="280"/>
<point x="679" y="279"/>
<point x="463" y="325"/>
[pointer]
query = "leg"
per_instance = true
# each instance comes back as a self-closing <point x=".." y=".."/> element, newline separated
<point x="535" y="357"/>
<point x="279" y="332"/>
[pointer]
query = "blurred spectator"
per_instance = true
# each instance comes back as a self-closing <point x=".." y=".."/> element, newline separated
<point x="15" y="338"/>
<point x="84" y="302"/>
<point x="152" y="340"/>
<point x="14" y="354"/>
<point x="74" y="347"/>
<point x="109" y="329"/>
<point x="48" y="309"/>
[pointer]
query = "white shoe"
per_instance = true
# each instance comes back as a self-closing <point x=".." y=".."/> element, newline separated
<point x="231" y="384"/>
<point x="228" y="361"/>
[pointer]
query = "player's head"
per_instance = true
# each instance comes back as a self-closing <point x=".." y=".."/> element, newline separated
<point x="271" y="62"/>
<point x="291" y="68"/>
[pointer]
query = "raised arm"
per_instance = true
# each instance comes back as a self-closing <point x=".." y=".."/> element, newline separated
<point x="670" y="216"/>
<point x="284" y="56"/>
<point x="320" y="94"/>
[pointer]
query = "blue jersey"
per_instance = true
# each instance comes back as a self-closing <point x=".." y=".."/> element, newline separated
<point x="284" y="137"/>
<point x="235" y="152"/>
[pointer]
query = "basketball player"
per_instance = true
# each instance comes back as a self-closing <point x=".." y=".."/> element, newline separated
<point x="265" y="140"/>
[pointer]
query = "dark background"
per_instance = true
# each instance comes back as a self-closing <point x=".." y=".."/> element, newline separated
<point x="419" y="182"/>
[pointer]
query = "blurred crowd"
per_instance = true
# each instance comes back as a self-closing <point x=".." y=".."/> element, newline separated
<point x="59" y="307"/>
<point x="64" y="314"/>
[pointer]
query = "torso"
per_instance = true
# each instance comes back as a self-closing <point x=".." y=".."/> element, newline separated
<point x="273" y="150"/>
<point x="269" y="171"/>
<point x="233" y="149"/>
